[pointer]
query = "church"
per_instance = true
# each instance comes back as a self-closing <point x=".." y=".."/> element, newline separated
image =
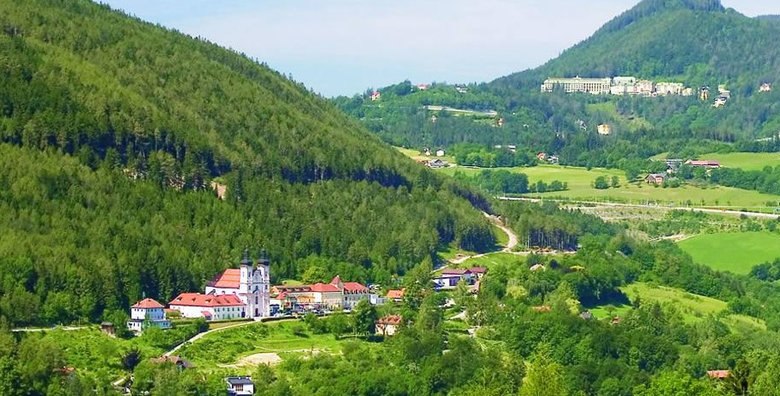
<point x="235" y="293"/>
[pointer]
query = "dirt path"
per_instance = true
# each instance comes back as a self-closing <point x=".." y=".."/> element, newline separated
<point x="511" y="234"/>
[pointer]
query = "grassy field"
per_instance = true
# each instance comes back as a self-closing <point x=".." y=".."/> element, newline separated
<point x="746" y="161"/>
<point x="579" y="183"/>
<point x="692" y="307"/>
<point x="288" y="338"/>
<point x="734" y="252"/>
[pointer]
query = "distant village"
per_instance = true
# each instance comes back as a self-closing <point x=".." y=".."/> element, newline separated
<point x="246" y="293"/>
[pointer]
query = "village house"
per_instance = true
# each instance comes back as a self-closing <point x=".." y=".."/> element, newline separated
<point x="147" y="313"/>
<point x="209" y="306"/>
<point x="704" y="164"/>
<point x="449" y="277"/>
<point x="376" y="95"/>
<point x="240" y="386"/>
<point x="396" y="295"/>
<point x="704" y="93"/>
<point x="765" y="87"/>
<point x="553" y="159"/>
<point x="718" y="374"/>
<point x="656" y="178"/>
<point x="250" y="283"/>
<point x="604" y="129"/>
<point x="108" y="328"/>
<point x="541" y="156"/>
<point x="334" y="295"/>
<point x="440" y="153"/>
<point x="388" y="325"/>
<point x="423" y="87"/>
<point x="437" y="164"/>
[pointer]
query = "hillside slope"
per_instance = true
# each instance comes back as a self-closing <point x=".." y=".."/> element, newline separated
<point x="113" y="130"/>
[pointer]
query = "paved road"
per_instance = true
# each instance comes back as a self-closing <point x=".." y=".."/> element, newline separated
<point x="611" y="204"/>
<point x="40" y="329"/>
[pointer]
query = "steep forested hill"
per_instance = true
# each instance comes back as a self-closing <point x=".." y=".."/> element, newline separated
<point x="112" y="131"/>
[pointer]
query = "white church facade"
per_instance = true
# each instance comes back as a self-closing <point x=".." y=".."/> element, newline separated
<point x="236" y="292"/>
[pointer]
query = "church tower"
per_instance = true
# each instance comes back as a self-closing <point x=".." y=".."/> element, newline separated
<point x="261" y="286"/>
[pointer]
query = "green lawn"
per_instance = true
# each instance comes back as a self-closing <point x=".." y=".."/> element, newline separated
<point x="746" y="161"/>
<point x="693" y="307"/>
<point x="734" y="252"/>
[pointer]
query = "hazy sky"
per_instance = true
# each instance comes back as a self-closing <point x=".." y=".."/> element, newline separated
<point x="346" y="46"/>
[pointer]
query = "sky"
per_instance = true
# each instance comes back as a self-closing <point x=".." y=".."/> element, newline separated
<point x="343" y="47"/>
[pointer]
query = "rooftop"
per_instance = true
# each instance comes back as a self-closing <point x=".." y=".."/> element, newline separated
<point x="148" y="303"/>
<point x="206" y="300"/>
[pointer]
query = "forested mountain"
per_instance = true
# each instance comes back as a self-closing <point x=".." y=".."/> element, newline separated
<point x="697" y="43"/>
<point x="112" y="130"/>
<point x="691" y="41"/>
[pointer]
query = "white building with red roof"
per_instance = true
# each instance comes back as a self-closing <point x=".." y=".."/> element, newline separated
<point x="209" y="306"/>
<point x="147" y="313"/>
<point x="250" y="283"/>
<point x="352" y="292"/>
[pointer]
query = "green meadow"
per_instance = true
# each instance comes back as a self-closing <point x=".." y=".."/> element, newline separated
<point x="746" y="161"/>
<point x="734" y="252"/>
<point x="579" y="181"/>
<point x="692" y="307"/>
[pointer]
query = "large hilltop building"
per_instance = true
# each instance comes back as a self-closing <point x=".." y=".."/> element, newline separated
<point x="615" y="86"/>
<point x="594" y="86"/>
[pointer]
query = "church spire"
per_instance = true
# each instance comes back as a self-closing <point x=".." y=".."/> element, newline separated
<point x="263" y="260"/>
<point x="246" y="260"/>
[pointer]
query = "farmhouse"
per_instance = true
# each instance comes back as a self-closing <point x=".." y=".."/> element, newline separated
<point x="604" y="129"/>
<point x="440" y="153"/>
<point x="765" y="87"/>
<point x="437" y="164"/>
<point x="396" y="295"/>
<point x="704" y="164"/>
<point x="147" y="313"/>
<point x="655" y="178"/>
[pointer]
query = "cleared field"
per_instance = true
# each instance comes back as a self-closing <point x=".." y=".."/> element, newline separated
<point x="746" y="161"/>
<point x="579" y="182"/>
<point x="693" y="307"/>
<point x="734" y="252"/>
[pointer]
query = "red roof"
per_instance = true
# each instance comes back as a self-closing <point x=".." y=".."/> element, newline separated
<point x="455" y="271"/>
<point x="148" y="303"/>
<point x="390" y="320"/>
<point x="719" y="374"/>
<point x="478" y="270"/>
<point x="229" y="279"/>
<point x="395" y="293"/>
<point x="324" y="288"/>
<point x="354" y="287"/>
<point x="206" y="300"/>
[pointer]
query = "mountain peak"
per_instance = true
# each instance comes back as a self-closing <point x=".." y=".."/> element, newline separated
<point x="648" y="8"/>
